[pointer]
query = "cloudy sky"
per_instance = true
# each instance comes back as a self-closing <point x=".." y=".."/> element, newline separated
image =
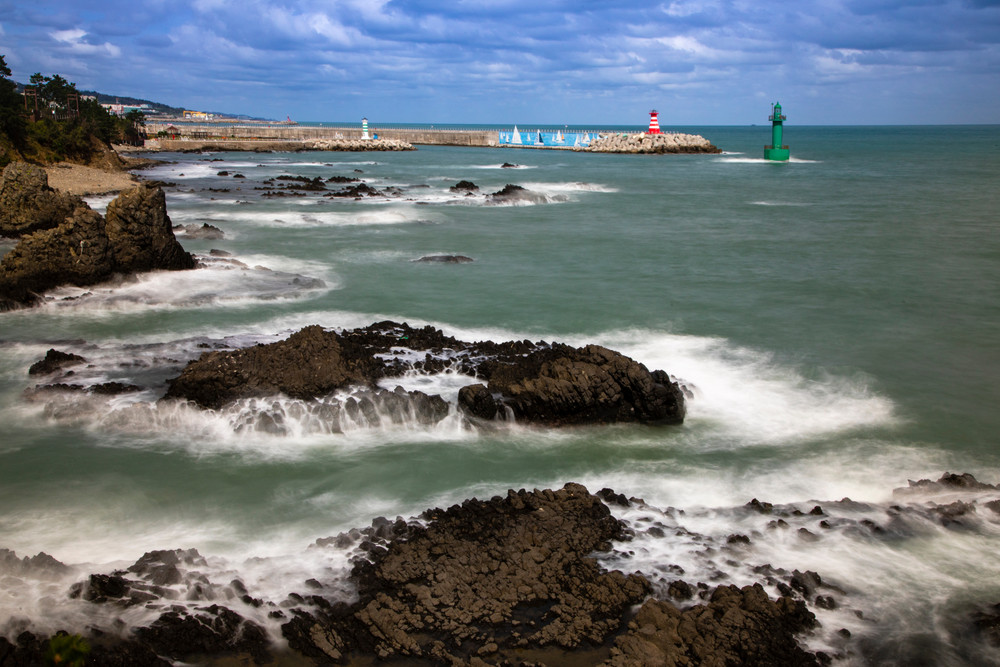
<point x="699" y="62"/>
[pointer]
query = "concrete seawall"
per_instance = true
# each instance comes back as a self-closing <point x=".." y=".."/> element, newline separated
<point x="186" y="136"/>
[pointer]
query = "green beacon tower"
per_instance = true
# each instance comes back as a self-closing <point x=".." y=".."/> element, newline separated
<point x="776" y="151"/>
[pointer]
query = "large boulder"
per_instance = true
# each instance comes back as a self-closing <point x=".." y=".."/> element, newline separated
<point x="28" y="204"/>
<point x="141" y="234"/>
<point x="77" y="252"/>
<point x="565" y="385"/>
<point x="310" y="363"/>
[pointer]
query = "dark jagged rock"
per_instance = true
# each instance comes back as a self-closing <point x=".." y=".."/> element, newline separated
<point x="54" y="361"/>
<point x="205" y="231"/>
<point x="564" y="385"/>
<point x="77" y="252"/>
<point x="356" y="191"/>
<point x="213" y="630"/>
<point x="949" y="482"/>
<point x="28" y="204"/>
<point x="483" y="578"/>
<point x="534" y="382"/>
<point x="309" y="363"/>
<point x="85" y="249"/>
<point x="736" y="627"/>
<point x="140" y="233"/>
<point x="39" y="565"/>
<point x="464" y="186"/>
<point x="509" y="191"/>
<point x="445" y="259"/>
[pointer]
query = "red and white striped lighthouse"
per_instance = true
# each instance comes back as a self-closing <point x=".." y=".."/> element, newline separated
<point x="654" y="123"/>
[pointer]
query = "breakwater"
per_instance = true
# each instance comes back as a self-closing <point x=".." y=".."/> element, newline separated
<point x="274" y="137"/>
<point x="182" y="136"/>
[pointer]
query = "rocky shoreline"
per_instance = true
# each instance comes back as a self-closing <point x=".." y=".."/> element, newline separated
<point x="519" y="579"/>
<point x="61" y="240"/>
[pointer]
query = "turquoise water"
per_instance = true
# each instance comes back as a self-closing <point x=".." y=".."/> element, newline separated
<point x="838" y="317"/>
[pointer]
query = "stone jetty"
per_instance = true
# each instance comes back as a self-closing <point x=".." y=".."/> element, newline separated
<point x="359" y="145"/>
<point x="653" y="143"/>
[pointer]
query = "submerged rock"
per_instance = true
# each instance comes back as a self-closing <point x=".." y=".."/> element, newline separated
<point x="464" y="186"/>
<point x="54" y="361"/>
<point x="445" y="259"/>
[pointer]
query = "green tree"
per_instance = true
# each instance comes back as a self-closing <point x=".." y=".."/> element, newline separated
<point x="11" y="104"/>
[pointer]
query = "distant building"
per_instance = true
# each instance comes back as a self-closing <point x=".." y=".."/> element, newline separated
<point x="122" y="109"/>
<point x="197" y="115"/>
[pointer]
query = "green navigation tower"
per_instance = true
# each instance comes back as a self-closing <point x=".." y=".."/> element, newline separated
<point x="776" y="151"/>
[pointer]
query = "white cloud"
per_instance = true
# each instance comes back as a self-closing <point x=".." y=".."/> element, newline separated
<point x="72" y="38"/>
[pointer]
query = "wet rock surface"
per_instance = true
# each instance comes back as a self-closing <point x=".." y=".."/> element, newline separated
<point x="735" y="627"/>
<point x="552" y="384"/>
<point x="513" y="581"/>
<point x="529" y="577"/>
<point x="83" y="248"/>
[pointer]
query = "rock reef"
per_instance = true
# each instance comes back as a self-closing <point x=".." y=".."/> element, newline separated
<point x="64" y="242"/>
<point x="508" y="581"/>
<point x="541" y="383"/>
<point x="652" y="143"/>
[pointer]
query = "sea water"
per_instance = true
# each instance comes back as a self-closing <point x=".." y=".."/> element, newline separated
<point x="837" y="318"/>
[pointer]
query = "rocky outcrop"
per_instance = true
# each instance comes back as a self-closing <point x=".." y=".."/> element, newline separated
<point x="564" y="385"/>
<point x="551" y="384"/>
<point x="85" y="249"/>
<point x="55" y="361"/>
<point x="28" y="204"/>
<point x="508" y="581"/>
<point x="77" y="252"/>
<point x="515" y="194"/>
<point x="310" y="363"/>
<point x="484" y="579"/>
<point x="652" y="143"/>
<point x="736" y="627"/>
<point x="464" y="186"/>
<point x="141" y="235"/>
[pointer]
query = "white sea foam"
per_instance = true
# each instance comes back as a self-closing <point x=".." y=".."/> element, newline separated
<point x="759" y="160"/>
<point x="218" y="283"/>
<point x="319" y="215"/>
